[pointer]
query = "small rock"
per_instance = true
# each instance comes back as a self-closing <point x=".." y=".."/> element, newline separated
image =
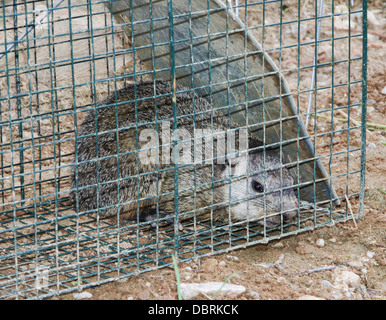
<point x="130" y="298"/>
<point x="365" y="260"/>
<point x="370" y="102"/>
<point x="349" y="279"/>
<point x="320" y="243"/>
<point x="144" y="295"/>
<point x="371" y="145"/>
<point x="332" y="240"/>
<point x="308" y="297"/>
<point x="347" y="293"/>
<point x="254" y="295"/>
<point x="192" y="290"/>
<point x="188" y="277"/>
<point x="337" y="295"/>
<point x="383" y="90"/>
<point x="148" y="284"/>
<point x="327" y="283"/>
<point x="82" y="295"/>
<point x="232" y="258"/>
<point x="383" y="288"/>
<point x="370" y="254"/>
<point x="222" y="264"/>
<point x="356" y="264"/>
<point x="363" y="291"/>
<point x="372" y="20"/>
<point x="265" y="265"/>
<point x="281" y="280"/>
<point x="278" y="245"/>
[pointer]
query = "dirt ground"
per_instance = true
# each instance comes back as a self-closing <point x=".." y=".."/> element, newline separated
<point x="313" y="263"/>
<point x="283" y="269"/>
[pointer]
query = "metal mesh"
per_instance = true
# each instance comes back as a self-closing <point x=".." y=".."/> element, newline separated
<point x="73" y="54"/>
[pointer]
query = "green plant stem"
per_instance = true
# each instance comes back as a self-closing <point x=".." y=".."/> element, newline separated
<point x="176" y="270"/>
<point x="225" y="281"/>
<point x="381" y="190"/>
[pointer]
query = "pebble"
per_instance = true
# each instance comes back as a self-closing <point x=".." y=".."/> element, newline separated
<point x="327" y="283"/>
<point x="371" y="145"/>
<point x="383" y="288"/>
<point x="278" y="245"/>
<point x="320" y="243"/>
<point x="364" y="259"/>
<point x="265" y="265"/>
<point x="355" y="264"/>
<point x="332" y="240"/>
<point x="192" y="290"/>
<point x="370" y="102"/>
<point x="372" y="19"/>
<point x="144" y="295"/>
<point x="82" y="295"/>
<point x="383" y="90"/>
<point x="232" y="258"/>
<point x="363" y="291"/>
<point x="222" y="264"/>
<point x="188" y="277"/>
<point x="348" y="278"/>
<point x="370" y="254"/>
<point x="281" y="280"/>
<point x="254" y="295"/>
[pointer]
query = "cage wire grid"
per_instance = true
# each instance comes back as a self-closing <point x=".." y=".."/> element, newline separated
<point x="59" y="58"/>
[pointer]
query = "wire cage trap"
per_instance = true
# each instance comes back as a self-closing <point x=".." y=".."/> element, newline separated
<point x="291" y="73"/>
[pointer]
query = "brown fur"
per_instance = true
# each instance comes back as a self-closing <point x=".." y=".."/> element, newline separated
<point x="202" y="188"/>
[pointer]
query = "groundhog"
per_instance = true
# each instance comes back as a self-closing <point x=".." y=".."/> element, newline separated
<point x="127" y="165"/>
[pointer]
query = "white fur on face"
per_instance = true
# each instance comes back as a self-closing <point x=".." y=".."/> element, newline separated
<point x="247" y="203"/>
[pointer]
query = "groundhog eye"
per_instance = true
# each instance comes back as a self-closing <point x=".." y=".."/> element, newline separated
<point x="257" y="186"/>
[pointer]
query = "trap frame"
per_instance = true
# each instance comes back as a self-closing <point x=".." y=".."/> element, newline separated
<point x="74" y="53"/>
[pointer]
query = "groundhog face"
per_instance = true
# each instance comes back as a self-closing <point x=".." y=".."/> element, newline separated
<point x="259" y="186"/>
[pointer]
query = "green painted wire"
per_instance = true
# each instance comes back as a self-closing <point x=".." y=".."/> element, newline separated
<point x="332" y="101"/>
<point x="364" y="110"/>
<point x="213" y="236"/>
<point x="174" y="106"/>
<point x="91" y="48"/>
